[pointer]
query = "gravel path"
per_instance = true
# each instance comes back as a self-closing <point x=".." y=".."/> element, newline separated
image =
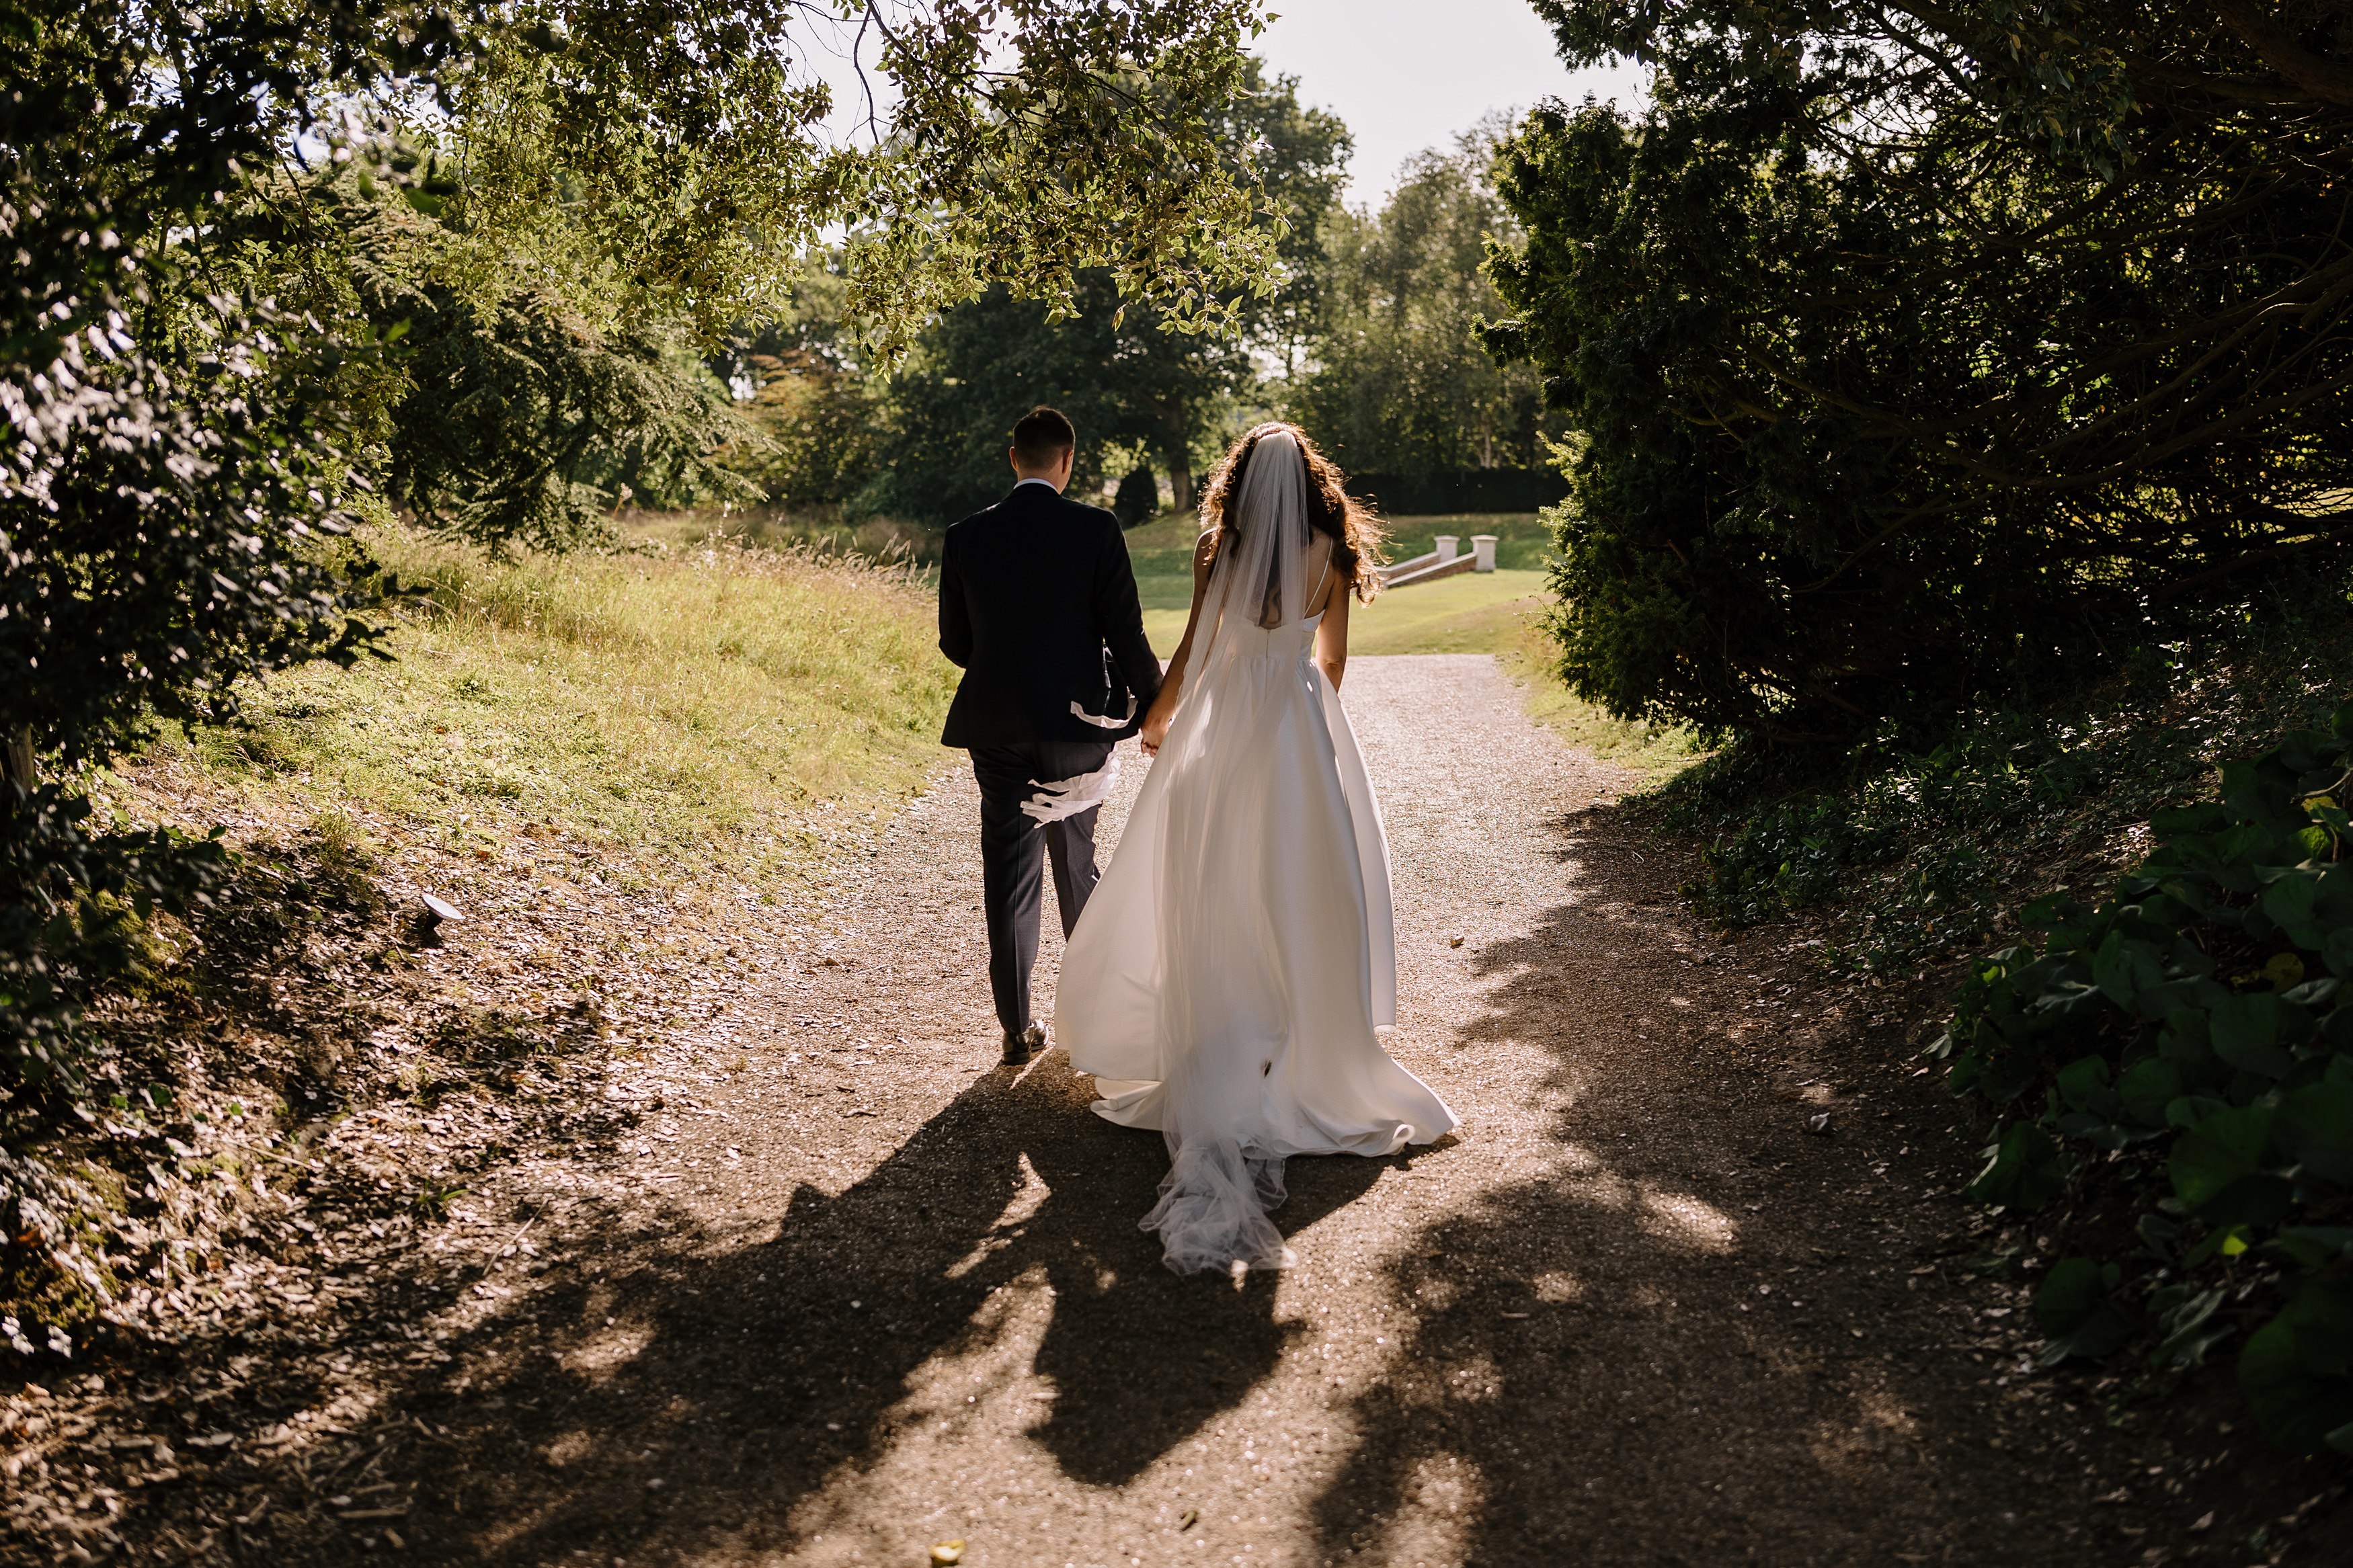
<point x="856" y="1291"/>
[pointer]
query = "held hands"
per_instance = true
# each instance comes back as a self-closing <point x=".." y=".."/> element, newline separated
<point x="1155" y="729"/>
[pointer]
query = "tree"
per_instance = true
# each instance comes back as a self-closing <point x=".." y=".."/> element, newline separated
<point x="1398" y="382"/>
<point x="818" y="413"/>
<point x="199" y="394"/>
<point x="173" y="472"/>
<point x="1126" y="373"/>
<point x="1913" y="348"/>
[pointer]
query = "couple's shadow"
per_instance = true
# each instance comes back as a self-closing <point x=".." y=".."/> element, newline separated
<point x="747" y="1375"/>
<point x="1139" y="1358"/>
<point x="1142" y="1358"/>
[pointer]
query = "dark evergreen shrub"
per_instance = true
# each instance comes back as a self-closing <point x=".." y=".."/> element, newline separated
<point x="1137" y="498"/>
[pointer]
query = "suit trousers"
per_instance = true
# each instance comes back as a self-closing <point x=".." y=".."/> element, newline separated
<point x="1012" y="844"/>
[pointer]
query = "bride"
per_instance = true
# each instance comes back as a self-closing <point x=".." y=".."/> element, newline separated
<point x="1225" y="980"/>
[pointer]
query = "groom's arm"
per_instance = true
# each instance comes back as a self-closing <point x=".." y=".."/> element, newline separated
<point x="1120" y="611"/>
<point x="955" y="615"/>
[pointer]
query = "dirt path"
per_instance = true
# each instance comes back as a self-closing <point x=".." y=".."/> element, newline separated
<point x="854" y="1291"/>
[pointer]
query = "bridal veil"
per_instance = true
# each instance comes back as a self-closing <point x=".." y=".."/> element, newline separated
<point x="1226" y="982"/>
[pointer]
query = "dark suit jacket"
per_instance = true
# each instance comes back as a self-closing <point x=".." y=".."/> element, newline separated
<point x="1038" y="604"/>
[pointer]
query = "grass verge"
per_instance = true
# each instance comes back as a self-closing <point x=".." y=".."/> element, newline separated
<point x="710" y="701"/>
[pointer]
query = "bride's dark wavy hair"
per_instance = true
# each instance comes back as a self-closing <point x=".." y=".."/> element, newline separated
<point x="1330" y="508"/>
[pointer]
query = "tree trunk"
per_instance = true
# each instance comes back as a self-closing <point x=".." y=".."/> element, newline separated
<point x="20" y="759"/>
<point x="1179" y="458"/>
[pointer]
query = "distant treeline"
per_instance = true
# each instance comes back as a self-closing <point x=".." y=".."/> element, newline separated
<point x="1367" y="340"/>
<point x="1441" y="491"/>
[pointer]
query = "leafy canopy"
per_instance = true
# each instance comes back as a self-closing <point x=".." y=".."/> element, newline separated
<point x="1909" y="345"/>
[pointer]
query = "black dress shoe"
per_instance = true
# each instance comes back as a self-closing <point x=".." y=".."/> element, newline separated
<point x="1021" y="1048"/>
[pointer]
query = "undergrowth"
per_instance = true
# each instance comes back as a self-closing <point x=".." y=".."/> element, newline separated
<point x="2148" y="864"/>
<point x="625" y="739"/>
<point x="1905" y="858"/>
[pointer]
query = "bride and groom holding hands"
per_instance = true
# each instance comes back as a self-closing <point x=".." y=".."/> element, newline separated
<point x="1225" y="975"/>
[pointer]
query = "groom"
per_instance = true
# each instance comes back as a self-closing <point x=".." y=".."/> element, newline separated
<point x="1038" y="604"/>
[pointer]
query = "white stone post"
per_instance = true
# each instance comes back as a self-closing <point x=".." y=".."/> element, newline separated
<point x="1482" y="545"/>
<point x="1450" y="545"/>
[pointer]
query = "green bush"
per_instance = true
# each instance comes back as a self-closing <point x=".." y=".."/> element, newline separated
<point x="2193" y="1029"/>
<point x="1910" y="352"/>
<point x="1912" y="848"/>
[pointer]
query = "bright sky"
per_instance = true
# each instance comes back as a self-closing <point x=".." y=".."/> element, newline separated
<point x="1408" y="74"/>
<point x="1405" y="74"/>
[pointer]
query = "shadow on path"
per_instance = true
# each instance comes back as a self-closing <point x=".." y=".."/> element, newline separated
<point x="684" y="1397"/>
<point x="1702" y="1337"/>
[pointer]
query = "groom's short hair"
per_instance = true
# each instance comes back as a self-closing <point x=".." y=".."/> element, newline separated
<point x="1042" y="436"/>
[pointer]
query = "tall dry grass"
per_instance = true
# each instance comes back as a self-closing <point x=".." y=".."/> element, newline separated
<point x="714" y="699"/>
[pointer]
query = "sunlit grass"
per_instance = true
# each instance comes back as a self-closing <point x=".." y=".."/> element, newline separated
<point x="1498" y="613"/>
<point x="1656" y="753"/>
<point x="721" y="700"/>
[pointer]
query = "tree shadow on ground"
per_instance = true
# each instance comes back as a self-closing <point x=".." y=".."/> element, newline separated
<point x="693" y="1392"/>
<point x="1699" y="1337"/>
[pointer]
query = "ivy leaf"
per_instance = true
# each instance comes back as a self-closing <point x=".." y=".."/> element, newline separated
<point x="2218" y="1169"/>
<point x="2078" y="1310"/>
<point x="2297" y="1370"/>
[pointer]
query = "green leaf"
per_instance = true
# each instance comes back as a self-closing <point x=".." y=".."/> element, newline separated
<point x="2147" y="1088"/>
<point x="2084" y="1084"/>
<point x="2312" y="993"/>
<point x="2193" y="1109"/>
<point x="2314" y="1126"/>
<point x="2218" y="1169"/>
<point x="2026" y="1170"/>
<point x="2244" y="1030"/>
<point x="2184" y="1318"/>
<point x="2124" y="969"/>
<point x="2189" y="819"/>
<point x="2289" y="902"/>
<point x="2295" y="1369"/>
<point x="2315" y="1246"/>
<point x="2186" y="1037"/>
<point x="2078" y="1310"/>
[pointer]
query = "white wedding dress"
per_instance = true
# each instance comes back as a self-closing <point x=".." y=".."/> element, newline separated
<point x="1226" y="982"/>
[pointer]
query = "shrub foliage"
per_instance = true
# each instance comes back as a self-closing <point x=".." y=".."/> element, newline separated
<point x="1906" y="347"/>
<point x="2196" y="1026"/>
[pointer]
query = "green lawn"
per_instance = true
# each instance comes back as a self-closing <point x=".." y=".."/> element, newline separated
<point x="722" y="706"/>
<point x="1479" y="613"/>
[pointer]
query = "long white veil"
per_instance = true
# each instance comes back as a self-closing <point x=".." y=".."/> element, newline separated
<point x="1223" y="1178"/>
<point x="1228" y="979"/>
<point x="1268" y="548"/>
